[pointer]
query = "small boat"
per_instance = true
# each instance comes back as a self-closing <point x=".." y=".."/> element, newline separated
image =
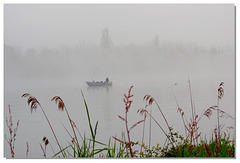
<point x="99" y="83"/>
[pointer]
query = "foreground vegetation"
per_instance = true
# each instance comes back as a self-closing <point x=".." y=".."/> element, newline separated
<point x="190" y="145"/>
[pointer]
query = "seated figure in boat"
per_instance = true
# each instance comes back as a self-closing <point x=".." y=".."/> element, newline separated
<point x="107" y="80"/>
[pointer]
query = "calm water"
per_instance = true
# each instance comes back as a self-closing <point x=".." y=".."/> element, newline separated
<point x="106" y="103"/>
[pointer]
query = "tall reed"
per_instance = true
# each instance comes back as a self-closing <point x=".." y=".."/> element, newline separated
<point x="142" y="111"/>
<point x="220" y="113"/>
<point x="192" y="126"/>
<point x="149" y="101"/>
<point x="61" y="107"/>
<point x="33" y="102"/>
<point x="220" y="96"/>
<point x="143" y="131"/>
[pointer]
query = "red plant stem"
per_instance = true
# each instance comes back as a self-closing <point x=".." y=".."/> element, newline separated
<point x="27" y="150"/>
<point x="217" y="144"/>
<point x="208" y="150"/>
<point x="13" y="131"/>
<point x="127" y="107"/>
<point x="218" y="117"/>
<point x="198" y="151"/>
<point x="230" y="152"/>
<point x="129" y="140"/>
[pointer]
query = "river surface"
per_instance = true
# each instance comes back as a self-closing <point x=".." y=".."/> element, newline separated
<point x="106" y="103"/>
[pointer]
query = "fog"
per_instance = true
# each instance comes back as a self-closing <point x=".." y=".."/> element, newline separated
<point x="60" y="40"/>
<point x="52" y="25"/>
<point x="50" y="49"/>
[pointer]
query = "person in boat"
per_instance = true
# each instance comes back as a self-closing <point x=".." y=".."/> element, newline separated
<point x="107" y="80"/>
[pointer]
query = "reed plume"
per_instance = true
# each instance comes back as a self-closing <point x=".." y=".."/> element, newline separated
<point x="192" y="126"/>
<point x="61" y="107"/>
<point x="31" y="101"/>
<point x="220" y="113"/>
<point x="34" y="103"/>
<point x="183" y="117"/>
<point x="220" y="96"/>
<point x="149" y="99"/>
<point x="46" y="142"/>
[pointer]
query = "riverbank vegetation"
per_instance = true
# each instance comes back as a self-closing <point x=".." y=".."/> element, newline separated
<point x="191" y="144"/>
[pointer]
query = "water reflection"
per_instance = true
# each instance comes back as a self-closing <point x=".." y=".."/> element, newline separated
<point x="99" y="88"/>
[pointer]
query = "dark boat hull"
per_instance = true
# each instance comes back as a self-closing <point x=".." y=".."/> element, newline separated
<point x="96" y="84"/>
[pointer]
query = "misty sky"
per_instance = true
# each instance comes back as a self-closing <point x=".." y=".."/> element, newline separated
<point x="51" y="25"/>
